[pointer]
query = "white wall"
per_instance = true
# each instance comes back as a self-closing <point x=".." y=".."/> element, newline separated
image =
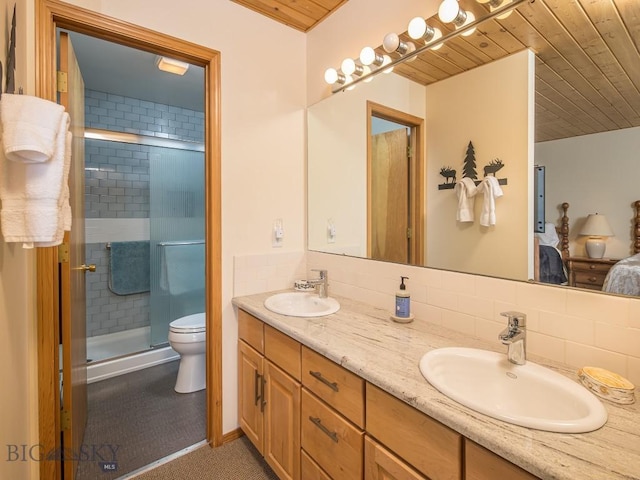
<point x="357" y="24"/>
<point x="594" y="174"/>
<point x="492" y="107"/>
<point x="336" y="162"/>
<point x="18" y="348"/>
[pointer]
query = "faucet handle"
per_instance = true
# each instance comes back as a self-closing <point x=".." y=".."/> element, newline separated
<point x="322" y="273"/>
<point x="515" y="319"/>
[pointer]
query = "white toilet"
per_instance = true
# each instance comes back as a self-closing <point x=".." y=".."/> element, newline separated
<point x="187" y="336"/>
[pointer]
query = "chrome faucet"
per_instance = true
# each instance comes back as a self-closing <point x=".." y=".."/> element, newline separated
<point x="321" y="283"/>
<point x="515" y="337"/>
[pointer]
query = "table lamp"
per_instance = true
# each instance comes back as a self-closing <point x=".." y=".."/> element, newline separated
<point x="597" y="228"/>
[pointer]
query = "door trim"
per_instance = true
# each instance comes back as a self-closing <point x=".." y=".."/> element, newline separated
<point x="51" y="14"/>
<point x="416" y="172"/>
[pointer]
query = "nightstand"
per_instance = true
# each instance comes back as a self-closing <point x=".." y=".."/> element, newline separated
<point x="587" y="272"/>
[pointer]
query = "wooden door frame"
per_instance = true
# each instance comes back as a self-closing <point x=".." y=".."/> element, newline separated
<point x="416" y="172"/>
<point x="52" y="14"/>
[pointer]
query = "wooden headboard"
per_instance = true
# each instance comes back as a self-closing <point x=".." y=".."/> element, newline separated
<point x="563" y="233"/>
<point x="636" y="228"/>
<point x="563" y="230"/>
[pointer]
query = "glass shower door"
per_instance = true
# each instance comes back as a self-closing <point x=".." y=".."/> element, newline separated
<point x="176" y="228"/>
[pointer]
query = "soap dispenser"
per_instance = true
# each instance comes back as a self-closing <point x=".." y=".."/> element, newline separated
<point x="403" y="304"/>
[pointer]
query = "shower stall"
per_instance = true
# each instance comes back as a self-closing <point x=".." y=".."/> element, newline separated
<point x="145" y="232"/>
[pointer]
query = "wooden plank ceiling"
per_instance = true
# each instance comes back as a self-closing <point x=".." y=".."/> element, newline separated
<point x="302" y="15"/>
<point x="587" y="59"/>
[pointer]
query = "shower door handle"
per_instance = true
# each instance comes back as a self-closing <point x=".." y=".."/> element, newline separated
<point x="87" y="268"/>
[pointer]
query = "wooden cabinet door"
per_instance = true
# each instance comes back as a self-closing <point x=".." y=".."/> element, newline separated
<point x="282" y="423"/>
<point x="481" y="464"/>
<point x="251" y="394"/>
<point x="381" y="464"/>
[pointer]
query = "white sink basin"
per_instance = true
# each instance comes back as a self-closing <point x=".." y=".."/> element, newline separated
<point x="528" y="395"/>
<point x="301" y="304"/>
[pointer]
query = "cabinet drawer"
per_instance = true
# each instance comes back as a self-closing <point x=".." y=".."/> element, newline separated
<point x="310" y="469"/>
<point x="282" y="350"/>
<point x="589" y="278"/>
<point x="250" y="329"/>
<point x="334" y="443"/>
<point x="481" y="464"/>
<point x="381" y="464"/>
<point x="337" y="386"/>
<point x="592" y="267"/>
<point x="432" y="448"/>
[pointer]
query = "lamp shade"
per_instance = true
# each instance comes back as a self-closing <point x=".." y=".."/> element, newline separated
<point x="596" y="226"/>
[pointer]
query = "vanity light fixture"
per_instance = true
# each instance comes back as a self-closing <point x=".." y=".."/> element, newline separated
<point x="418" y="29"/>
<point x="392" y="43"/>
<point x="372" y="63"/>
<point x="172" y="66"/>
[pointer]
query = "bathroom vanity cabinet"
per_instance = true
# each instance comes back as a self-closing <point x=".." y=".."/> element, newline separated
<point x="313" y="419"/>
<point x="269" y="394"/>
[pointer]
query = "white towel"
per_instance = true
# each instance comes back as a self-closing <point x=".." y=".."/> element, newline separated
<point x="465" y="189"/>
<point x="33" y="195"/>
<point x="29" y="127"/>
<point x="491" y="189"/>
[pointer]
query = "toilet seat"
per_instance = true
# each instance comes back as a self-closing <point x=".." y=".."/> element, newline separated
<point x="194" y="323"/>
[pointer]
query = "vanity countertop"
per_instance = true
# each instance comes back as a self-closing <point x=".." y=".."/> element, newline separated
<point x="364" y="340"/>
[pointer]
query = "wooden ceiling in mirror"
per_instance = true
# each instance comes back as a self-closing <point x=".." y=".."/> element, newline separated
<point x="587" y="61"/>
<point x="587" y="51"/>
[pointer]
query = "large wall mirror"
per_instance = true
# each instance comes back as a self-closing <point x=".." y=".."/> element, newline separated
<point x="555" y="84"/>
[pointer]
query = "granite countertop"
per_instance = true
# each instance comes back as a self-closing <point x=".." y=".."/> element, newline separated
<point x="365" y="341"/>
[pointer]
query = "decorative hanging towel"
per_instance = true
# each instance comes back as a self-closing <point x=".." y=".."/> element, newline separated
<point x="491" y="189"/>
<point x="35" y="196"/>
<point x="465" y="189"/>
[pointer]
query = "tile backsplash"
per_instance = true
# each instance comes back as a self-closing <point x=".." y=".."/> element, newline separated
<point x="570" y="326"/>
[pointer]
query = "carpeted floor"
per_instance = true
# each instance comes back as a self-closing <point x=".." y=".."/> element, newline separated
<point x="236" y="460"/>
<point x="136" y="419"/>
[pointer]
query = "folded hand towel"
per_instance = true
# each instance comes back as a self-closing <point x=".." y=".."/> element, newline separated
<point x="29" y="127"/>
<point x="466" y="190"/>
<point x="491" y="189"/>
<point x="32" y="195"/>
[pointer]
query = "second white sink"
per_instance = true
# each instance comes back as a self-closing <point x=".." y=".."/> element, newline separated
<point x="528" y="395"/>
<point x="301" y="304"/>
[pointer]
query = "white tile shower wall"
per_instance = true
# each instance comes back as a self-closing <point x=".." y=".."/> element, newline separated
<point x="106" y="311"/>
<point x="566" y="325"/>
<point x="267" y="272"/>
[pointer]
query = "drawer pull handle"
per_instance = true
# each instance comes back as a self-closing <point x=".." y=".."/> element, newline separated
<point x="318" y="423"/>
<point x="593" y="279"/>
<point x="592" y="266"/>
<point x="332" y="385"/>
<point x="256" y="387"/>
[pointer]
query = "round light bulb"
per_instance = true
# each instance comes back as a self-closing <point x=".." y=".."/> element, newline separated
<point x="448" y="10"/>
<point x="411" y="47"/>
<point x="470" y="18"/>
<point x="436" y="35"/>
<point x="391" y="42"/>
<point x="417" y="28"/>
<point x="365" y="73"/>
<point x="348" y="66"/>
<point x="331" y="76"/>
<point x="387" y="61"/>
<point x="367" y="56"/>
